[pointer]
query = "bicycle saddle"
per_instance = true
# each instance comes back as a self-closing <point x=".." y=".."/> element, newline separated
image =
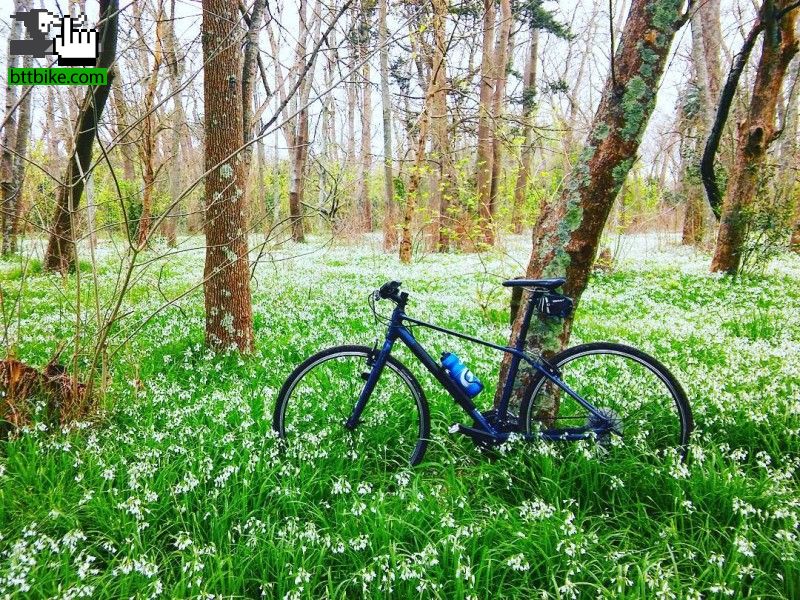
<point x="548" y="284"/>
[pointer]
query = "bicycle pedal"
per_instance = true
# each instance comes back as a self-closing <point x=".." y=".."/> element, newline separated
<point x="454" y="428"/>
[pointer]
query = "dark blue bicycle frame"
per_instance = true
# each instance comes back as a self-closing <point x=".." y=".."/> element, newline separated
<point x="485" y="430"/>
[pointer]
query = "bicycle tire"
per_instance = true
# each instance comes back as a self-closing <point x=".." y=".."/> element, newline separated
<point x="672" y="389"/>
<point x="290" y="387"/>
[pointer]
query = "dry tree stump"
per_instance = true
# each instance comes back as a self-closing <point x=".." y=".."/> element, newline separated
<point x="21" y="385"/>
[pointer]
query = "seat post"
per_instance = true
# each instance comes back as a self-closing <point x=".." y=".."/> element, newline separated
<point x="519" y="344"/>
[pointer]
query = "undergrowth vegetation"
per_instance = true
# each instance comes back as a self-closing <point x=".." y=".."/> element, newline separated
<point x="179" y="488"/>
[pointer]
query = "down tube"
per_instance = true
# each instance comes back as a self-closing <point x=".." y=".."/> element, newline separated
<point x="437" y="371"/>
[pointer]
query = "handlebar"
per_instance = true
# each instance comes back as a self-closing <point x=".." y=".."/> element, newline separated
<point x="389" y="291"/>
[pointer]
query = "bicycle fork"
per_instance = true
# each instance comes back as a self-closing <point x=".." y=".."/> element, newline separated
<point x="375" y="363"/>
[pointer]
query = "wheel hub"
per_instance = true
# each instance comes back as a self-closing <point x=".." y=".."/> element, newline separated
<point x="608" y="421"/>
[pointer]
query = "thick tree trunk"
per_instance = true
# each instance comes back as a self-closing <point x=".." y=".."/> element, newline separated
<point x="229" y="318"/>
<point x="567" y="234"/>
<point x="442" y="185"/>
<point x="483" y="176"/>
<point x="755" y="133"/>
<point x="390" y="216"/>
<point x="526" y="154"/>
<point x="60" y="252"/>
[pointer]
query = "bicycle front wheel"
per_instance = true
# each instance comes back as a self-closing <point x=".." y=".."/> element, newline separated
<point x="319" y="396"/>
<point x="644" y="403"/>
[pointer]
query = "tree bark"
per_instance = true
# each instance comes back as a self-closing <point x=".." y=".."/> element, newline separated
<point x="60" y="252"/>
<point x="567" y="234"/>
<point x="442" y="185"/>
<point x="229" y="318"/>
<point x="526" y="154"/>
<point x="483" y="177"/>
<point x="174" y="71"/>
<point x="147" y="146"/>
<point x="122" y="135"/>
<point x="695" y="127"/>
<point x="7" y="181"/>
<point x="756" y="132"/>
<point x="390" y="217"/>
<point x="15" y="136"/>
<point x="12" y="195"/>
<point x="498" y="104"/>
<point x="416" y="174"/>
<point x="365" y="165"/>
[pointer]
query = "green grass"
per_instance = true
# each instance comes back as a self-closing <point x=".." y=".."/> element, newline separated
<point x="181" y="490"/>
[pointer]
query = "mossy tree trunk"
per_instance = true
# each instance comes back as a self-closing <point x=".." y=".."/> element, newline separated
<point x="757" y="132"/>
<point x="567" y="234"/>
<point x="229" y="317"/>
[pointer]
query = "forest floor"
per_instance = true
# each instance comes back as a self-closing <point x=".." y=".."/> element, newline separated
<point x="180" y="489"/>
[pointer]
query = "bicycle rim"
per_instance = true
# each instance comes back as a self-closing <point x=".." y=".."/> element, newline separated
<point x="647" y="407"/>
<point x="320" y="396"/>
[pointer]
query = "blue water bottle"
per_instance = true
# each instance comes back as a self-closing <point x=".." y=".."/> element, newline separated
<point x="461" y="375"/>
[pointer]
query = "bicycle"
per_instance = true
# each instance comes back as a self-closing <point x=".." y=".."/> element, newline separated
<point x="603" y="391"/>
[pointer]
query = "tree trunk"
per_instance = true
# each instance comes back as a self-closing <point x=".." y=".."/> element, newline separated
<point x="122" y="135"/>
<point x="7" y="180"/>
<point x="296" y="188"/>
<point x="526" y="155"/>
<point x="178" y="124"/>
<point x="567" y="234"/>
<point x="148" y="142"/>
<point x="698" y="217"/>
<point x="363" y="200"/>
<point x="498" y="103"/>
<point x="755" y="133"/>
<point x="413" y="186"/>
<point x="442" y="185"/>
<point x="60" y="252"/>
<point x="483" y="177"/>
<point x="789" y="167"/>
<point x="415" y="176"/>
<point x="12" y="195"/>
<point x="390" y="216"/>
<point x="229" y="318"/>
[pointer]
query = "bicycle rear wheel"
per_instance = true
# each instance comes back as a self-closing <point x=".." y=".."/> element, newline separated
<point x="319" y="396"/>
<point x="646" y="404"/>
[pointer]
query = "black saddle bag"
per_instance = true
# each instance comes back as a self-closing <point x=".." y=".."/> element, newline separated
<point x="552" y="304"/>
